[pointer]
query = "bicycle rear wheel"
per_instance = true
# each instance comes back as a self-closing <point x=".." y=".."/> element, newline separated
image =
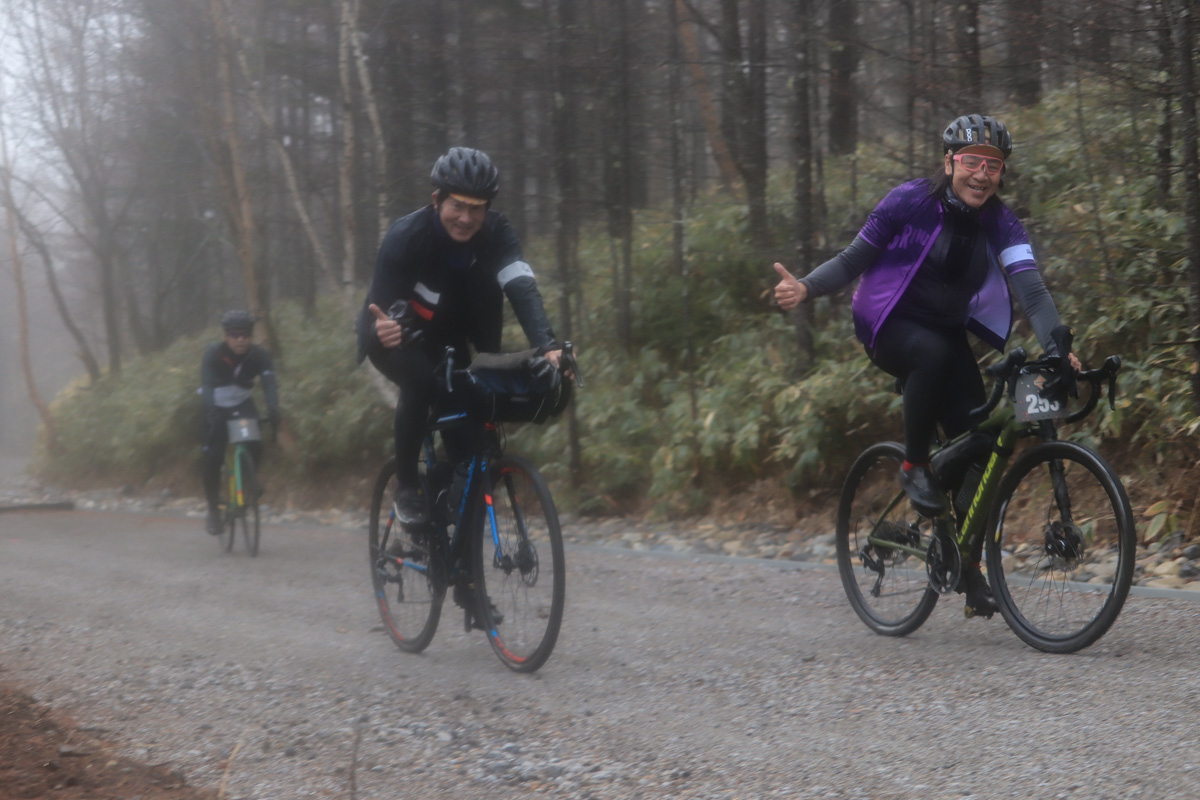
<point x="520" y="569"/>
<point x="406" y="574"/>
<point x="1060" y="547"/>
<point x="887" y="586"/>
<point x="249" y="508"/>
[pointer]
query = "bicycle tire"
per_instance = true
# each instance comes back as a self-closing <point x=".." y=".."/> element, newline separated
<point x="249" y="506"/>
<point x="519" y="566"/>
<point x="411" y="613"/>
<point x="1060" y="580"/>
<point x="888" y="588"/>
<point x="228" y="511"/>
<point x="228" y="529"/>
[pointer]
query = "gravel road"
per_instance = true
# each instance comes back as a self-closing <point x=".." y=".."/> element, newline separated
<point x="675" y="676"/>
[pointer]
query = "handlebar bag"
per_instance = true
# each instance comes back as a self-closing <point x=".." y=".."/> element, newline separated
<point x="513" y="387"/>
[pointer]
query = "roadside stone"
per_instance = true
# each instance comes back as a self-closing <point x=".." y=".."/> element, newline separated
<point x="1168" y="582"/>
<point x="1167" y="569"/>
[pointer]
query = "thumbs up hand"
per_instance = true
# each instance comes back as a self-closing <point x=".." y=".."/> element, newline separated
<point x="789" y="292"/>
<point x="388" y="330"/>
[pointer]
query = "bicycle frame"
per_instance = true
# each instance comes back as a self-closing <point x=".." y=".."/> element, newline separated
<point x="1006" y="430"/>
<point x="236" y="497"/>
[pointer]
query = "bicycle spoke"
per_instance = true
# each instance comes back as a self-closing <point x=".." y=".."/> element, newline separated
<point x="408" y="587"/>
<point x="878" y="539"/>
<point x="520" y="567"/>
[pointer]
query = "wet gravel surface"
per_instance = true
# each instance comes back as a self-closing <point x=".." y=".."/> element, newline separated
<point x="678" y="674"/>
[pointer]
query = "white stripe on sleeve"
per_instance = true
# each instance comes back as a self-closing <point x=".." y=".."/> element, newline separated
<point x="1018" y="252"/>
<point x="517" y="269"/>
<point x="427" y="294"/>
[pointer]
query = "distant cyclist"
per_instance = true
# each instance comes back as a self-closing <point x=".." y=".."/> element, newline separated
<point x="227" y="375"/>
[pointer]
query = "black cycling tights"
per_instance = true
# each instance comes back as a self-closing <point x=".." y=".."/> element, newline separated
<point x="940" y="376"/>
<point x="411" y="369"/>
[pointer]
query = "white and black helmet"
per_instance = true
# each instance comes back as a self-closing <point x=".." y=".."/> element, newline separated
<point x="464" y="170"/>
<point x="976" y="129"/>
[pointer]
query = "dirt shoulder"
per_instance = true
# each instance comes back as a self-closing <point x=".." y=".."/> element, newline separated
<point x="43" y="754"/>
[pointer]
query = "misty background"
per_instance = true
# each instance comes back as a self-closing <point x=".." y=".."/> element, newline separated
<point x="165" y="160"/>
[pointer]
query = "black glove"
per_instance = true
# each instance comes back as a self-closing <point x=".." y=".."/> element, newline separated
<point x="544" y="373"/>
<point x="412" y="328"/>
<point x="1064" y="383"/>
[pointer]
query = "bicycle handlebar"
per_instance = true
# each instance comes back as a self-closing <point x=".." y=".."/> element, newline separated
<point x="1016" y="363"/>
<point x="567" y="365"/>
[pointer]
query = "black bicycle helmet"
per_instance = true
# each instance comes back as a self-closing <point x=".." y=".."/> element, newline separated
<point x="237" y="321"/>
<point x="977" y="129"/>
<point x="464" y="170"/>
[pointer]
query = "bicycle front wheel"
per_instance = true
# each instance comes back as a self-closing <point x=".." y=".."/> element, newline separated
<point x="249" y="503"/>
<point x="1060" y="547"/>
<point x="880" y="539"/>
<point x="229" y="526"/>
<point x="406" y="575"/>
<point x="520" y="569"/>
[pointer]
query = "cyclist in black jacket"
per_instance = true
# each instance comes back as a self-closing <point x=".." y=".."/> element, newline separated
<point x="227" y="374"/>
<point x="441" y="276"/>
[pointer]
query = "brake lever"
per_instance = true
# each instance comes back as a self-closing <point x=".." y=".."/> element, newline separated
<point x="448" y="357"/>
<point x="568" y="355"/>
<point x="1112" y="365"/>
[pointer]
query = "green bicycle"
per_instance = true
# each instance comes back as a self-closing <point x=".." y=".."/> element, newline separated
<point x="1055" y="528"/>
<point x="239" y="507"/>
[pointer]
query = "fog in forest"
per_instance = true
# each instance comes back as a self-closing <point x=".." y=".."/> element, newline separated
<point x="170" y="159"/>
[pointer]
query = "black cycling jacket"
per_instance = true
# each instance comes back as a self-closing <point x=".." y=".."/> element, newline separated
<point x="226" y="379"/>
<point x="459" y="289"/>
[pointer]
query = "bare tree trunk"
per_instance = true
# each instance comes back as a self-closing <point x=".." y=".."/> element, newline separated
<point x="226" y="141"/>
<point x="565" y="152"/>
<point x="618" y="159"/>
<point x="744" y="113"/>
<point x="1025" y="51"/>
<point x="679" y="215"/>
<point x="911" y="79"/>
<point x="379" y="171"/>
<point x="1191" y="183"/>
<point x="965" y="19"/>
<point x="704" y="99"/>
<point x="289" y="172"/>
<point x="843" y="63"/>
<point x="1164" y="162"/>
<point x="34" y="237"/>
<point x="346" y="168"/>
<point x="802" y="147"/>
<point x="22" y="304"/>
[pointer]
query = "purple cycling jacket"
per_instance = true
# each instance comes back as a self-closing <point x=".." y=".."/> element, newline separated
<point x="904" y="226"/>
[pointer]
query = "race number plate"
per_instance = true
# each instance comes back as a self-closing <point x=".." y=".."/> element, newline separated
<point x="1031" y="406"/>
<point x="242" y="430"/>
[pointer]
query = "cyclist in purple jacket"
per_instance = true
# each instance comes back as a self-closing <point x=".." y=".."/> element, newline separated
<point x="937" y="258"/>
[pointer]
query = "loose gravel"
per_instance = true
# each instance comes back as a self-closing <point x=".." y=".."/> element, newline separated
<point x="684" y="670"/>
